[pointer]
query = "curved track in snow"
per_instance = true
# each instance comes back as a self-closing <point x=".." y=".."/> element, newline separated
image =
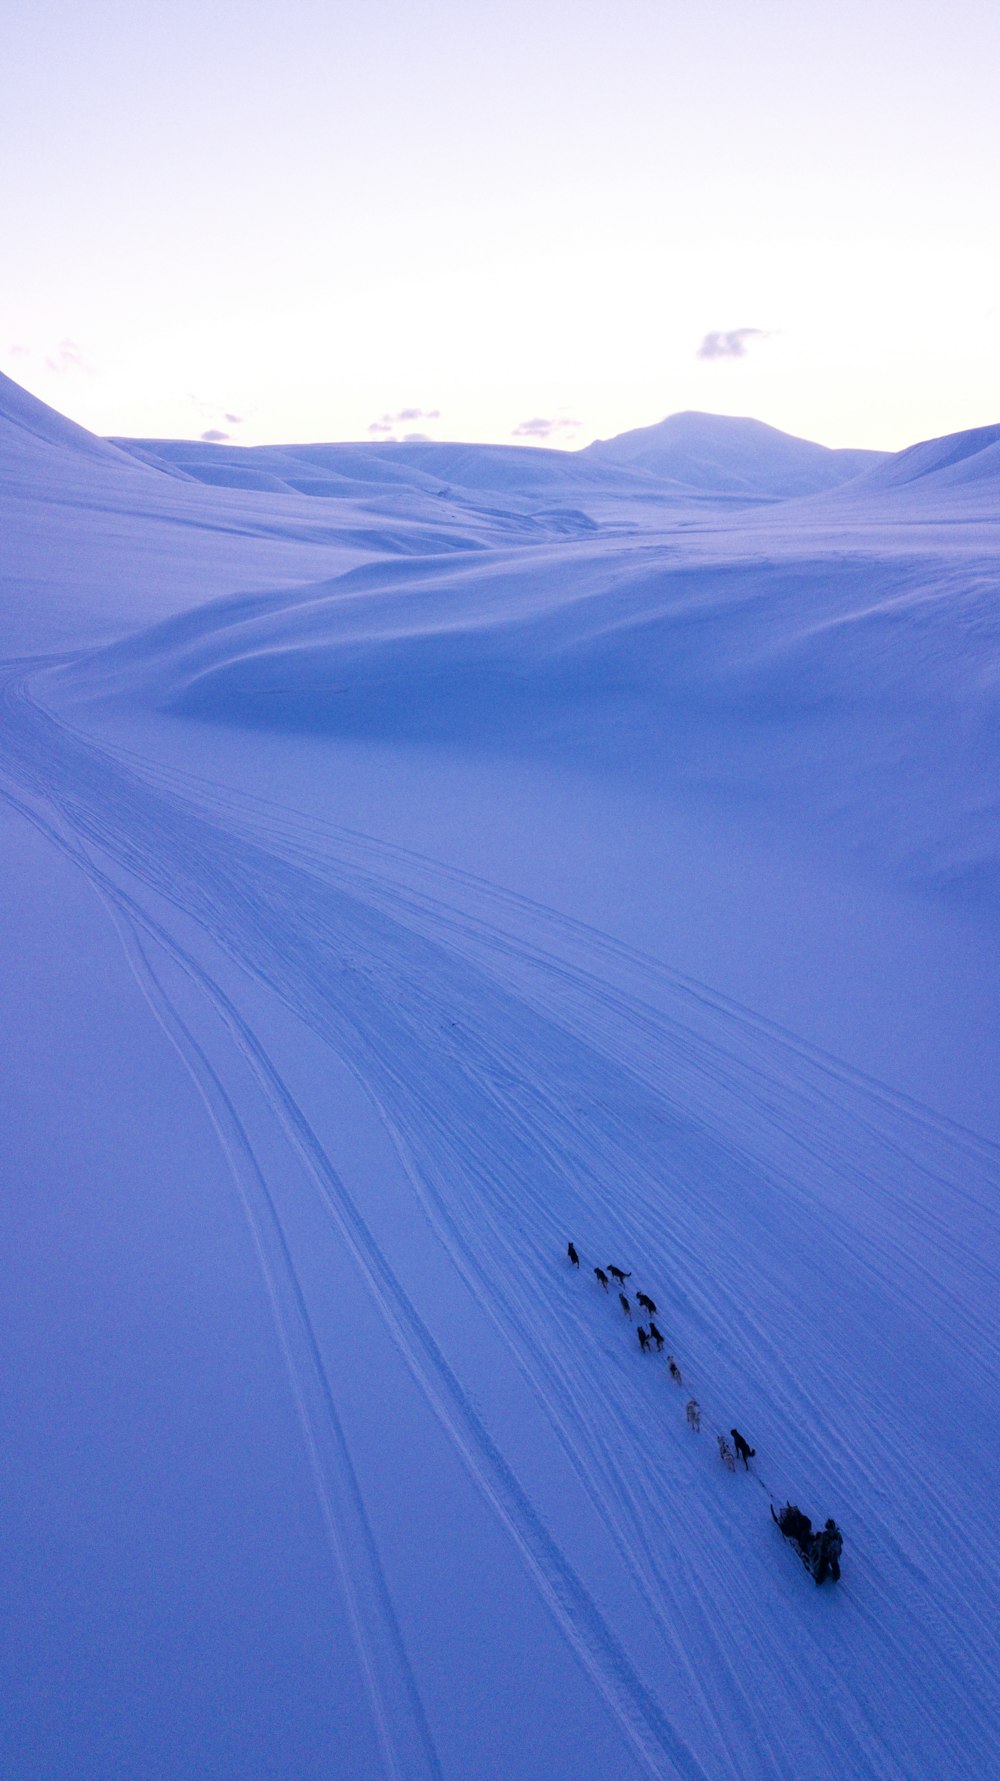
<point x="822" y="1252"/>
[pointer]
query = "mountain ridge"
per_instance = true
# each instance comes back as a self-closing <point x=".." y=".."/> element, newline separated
<point x="734" y="452"/>
<point x="691" y="457"/>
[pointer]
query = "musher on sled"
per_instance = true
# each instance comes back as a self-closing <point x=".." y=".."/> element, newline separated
<point x="819" y="1552"/>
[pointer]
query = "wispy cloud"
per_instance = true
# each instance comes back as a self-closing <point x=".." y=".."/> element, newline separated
<point x="729" y="343"/>
<point x="387" y="423"/>
<point x="542" y="428"/>
<point x="68" y="356"/>
<point x="416" y="438"/>
<point x="214" y="418"/>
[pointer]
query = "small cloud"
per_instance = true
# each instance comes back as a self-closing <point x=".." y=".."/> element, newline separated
<point x="729" y="343"/>
<point x="387" y="423"/>
<point x="416" y="438"/>
<point x="68" y="356"/>
<point x="539" y="428"/>
<point x="214" y="437"/>
<point x="212" y="416"/>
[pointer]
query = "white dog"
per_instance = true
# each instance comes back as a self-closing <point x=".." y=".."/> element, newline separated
<point x="726" y="1453"/>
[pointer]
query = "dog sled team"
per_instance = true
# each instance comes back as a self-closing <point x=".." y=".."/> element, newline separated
<point x="819" y="1551"/>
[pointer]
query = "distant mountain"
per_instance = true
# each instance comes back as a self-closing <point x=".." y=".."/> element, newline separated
<point x="722" y="454"/>
<point x="427" y="466"/>
<point x="690" y="458"/>
<point x="695" y="460"/>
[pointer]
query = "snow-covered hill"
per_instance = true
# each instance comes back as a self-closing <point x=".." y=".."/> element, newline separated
<point x="399" y="884"/>
<point x="723" y="454"/>
<point x="436" y="470"/>
<point x="702" y="460"/>
<point x="959" y="463"/>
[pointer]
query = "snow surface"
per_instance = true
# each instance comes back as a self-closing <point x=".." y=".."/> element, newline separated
<point x="415" y="861"/>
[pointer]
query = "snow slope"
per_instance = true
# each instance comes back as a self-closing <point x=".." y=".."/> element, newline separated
<point x="845" y="679"/>
<point x="961" y="471"/>
<point x="340" y="991"/>
<point x="98" y="540"/>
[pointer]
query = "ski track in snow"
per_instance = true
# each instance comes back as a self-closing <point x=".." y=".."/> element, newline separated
<point x="404" y="1737"/>
<point x="539" y="1082"/>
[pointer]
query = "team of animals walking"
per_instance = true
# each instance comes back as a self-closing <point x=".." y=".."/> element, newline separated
<point x="819" y="1551"/>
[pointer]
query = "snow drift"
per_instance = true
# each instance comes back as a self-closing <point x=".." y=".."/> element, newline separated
<point x="847" y="679"/>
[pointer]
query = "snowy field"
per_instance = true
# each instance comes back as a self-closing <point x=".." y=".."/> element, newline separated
<point x="417" y="857"/>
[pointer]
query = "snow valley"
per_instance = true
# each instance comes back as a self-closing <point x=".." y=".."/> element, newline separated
<point x="419" y="856"/>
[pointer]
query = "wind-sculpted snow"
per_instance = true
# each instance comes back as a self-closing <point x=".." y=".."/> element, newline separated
<point x="98" y="541"/>
<point x="850" y="688"/>
<point x="824" y="1256"/>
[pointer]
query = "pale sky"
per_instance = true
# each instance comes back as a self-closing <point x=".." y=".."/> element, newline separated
<point x="302" y="224"/>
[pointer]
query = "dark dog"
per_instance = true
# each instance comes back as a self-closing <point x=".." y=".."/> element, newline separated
<point x="675" y="1372"/>
<point x="643" y="1338"/>
<point x="617" y="1274"/>
<point x="646" y="1303"/>
<point x="657" y="1338"/>
<point x="571" y="1252"/>
<point x="626" y="1307"/>
<point x="743" y="1448"/>
<point x="602" y="1277"/>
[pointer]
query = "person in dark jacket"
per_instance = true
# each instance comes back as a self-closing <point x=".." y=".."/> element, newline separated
<point x="571" y="1252"/>
<point x="826" y="1550"/>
